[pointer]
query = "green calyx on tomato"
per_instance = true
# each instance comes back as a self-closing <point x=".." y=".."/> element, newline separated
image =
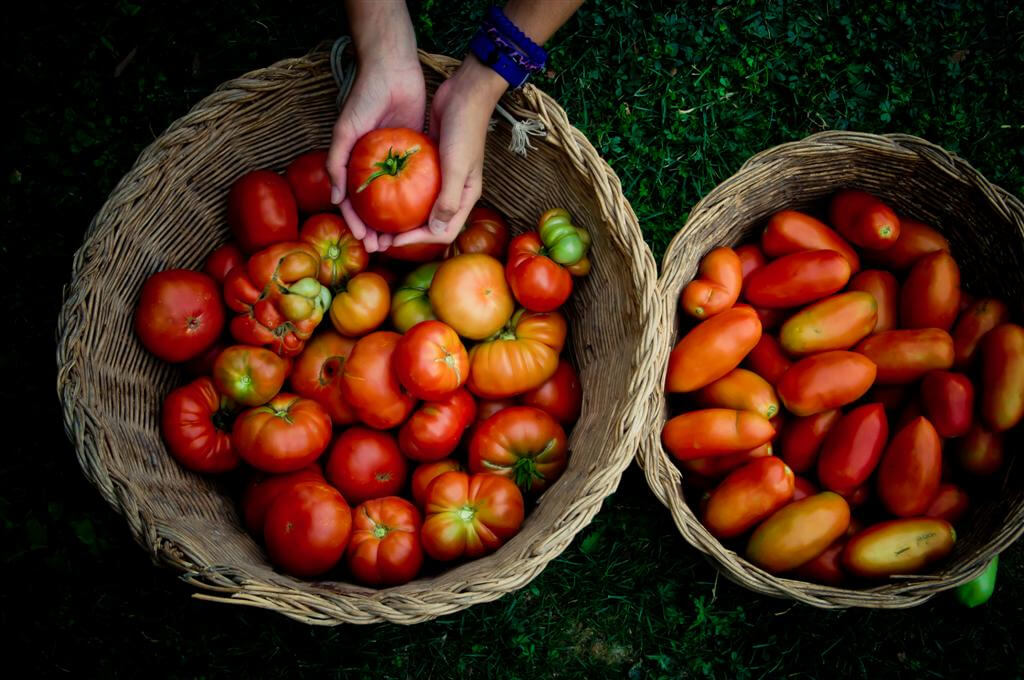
<point x="284" y="413"/>
<point x="525" y="471"/>
<point x="466" y="513"/>
<point x="392" y="165"/>
<point x="564" y="242"/>
<point x="508" y="331"/>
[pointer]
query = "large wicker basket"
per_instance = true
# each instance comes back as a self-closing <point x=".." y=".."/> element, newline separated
<point x="985" y="226"/>
<point x="169" y="211"/>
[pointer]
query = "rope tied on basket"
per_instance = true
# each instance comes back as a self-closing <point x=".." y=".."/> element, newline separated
<point x="344" y="71"/>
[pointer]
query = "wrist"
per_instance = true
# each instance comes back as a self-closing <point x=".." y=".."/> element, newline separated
<point x="384" y="37"/>
<point x="481" y="81"/>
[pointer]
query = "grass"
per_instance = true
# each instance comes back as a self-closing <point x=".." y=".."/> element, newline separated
<point x="676" y="97"/>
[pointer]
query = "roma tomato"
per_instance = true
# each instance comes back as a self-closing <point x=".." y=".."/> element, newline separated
<point x="747" y="496"/>
<point x="485" y="232"/>
<point x="950" y="503"/>
<point x="370" y="384"/>
<point x="911" y="469"/>
<point x="978" y="319"/>
<point x="716" y="467"/>
<point x="864" y="220"/>
<point x="249" y="375"/>
<point x="713" y="348"/>
<point x="892" y="397"/>
<point x="899" y="546"/>
<point x="794" y="280"/>
<point x="520" y="358"/>
<point x="194" y="424"/>
<point x="825" y="381"/>
<point x="411" y="302"/>
<point x="362" y="305"/>
<point x="416" y="252"/>
<point x="560" y="396"/>
<point x="179" y="314"/>
<point x="286" y="434"/>
<point x="385" y="545"/>
<point x="469" y="294"/>
<point x="802" y="438"/>
<point x="425" y="473"/>
<point x="714" y="432"/>
<point x="521" y="443"/>
<point x="317" y="375"/>
<point x="770" y="318"/>
<point x="751" y="258"/>
<point x="930" y="297"/>
<point x="307" y="529"/>
<point x="980" y="452"/>
<point x="803" y="488"/>
<point x="798" y="532"/>
<point x="1002" y="377"/>
<point x="223" y="260"/>
<point x="538" y="283"/>
<point x="470" y="516"/>
<point x="852" y="449"/>
<point x="742" y="390"/>
<point x="717" y="286"/>
<point x="789" y="232"/>
<point x="308" y="178"/>
<point x="365" y="464"/>
<point x="435" y="428"/>
<point x="885" y="289"/>
<point x="903" y="356"/>
<point x="262" y="210"/>
<point x="262" y="491"/>
<point x="430" y="360"/>
<point x="394" y="177"/>
<point x="342" y="255"/>
<point x="916" y="240"/>
<point x="826" y="568"/>
<point x="767" y="359"/>
<point x="948" y="401"/>
<point x="838" y="322"/>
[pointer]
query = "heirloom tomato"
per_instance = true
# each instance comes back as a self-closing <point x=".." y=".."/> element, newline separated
<point x="361" y="305"/>
<point x="425" y="473"/>
<point x="411" y="302"/>
<point x="370" y="384"/>
<point x="310" y="183"/>
<point x="436" y="427"/>
<point x="342" y="255"/>
<point x="222" y="260"/>
<point x="519" y="358"/>
<point x="249" y="375"/>
<point x="307" y="529"/>
<point x="416" y="252"/>
<point x="262" y="210"/>
<point x="194" y="422"/>
<point x="469" y="293"/>
<point x="563" y="241"/>
<point x="385" y="545"/>
<point x="318" y="373"/>
<point x="262" y="491"/>
<point x="470" y="516"/>
<point x="285" y="434"/>
<point x="538" y="282"/>
<point x="365" y="464"/>
<point x="430" y="360"/>
<point x="179" y="314"/>
<point x="561" y="395"/>
<point x="485" y="232"/>
<point x="521" y="443"/>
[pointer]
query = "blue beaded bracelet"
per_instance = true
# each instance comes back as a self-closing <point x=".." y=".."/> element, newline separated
<point x="506" y="49"/>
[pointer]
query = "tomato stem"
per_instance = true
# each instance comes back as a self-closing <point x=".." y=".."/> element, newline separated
<point x="392" y="165"/>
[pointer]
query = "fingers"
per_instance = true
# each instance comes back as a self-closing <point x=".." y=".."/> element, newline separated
<point x="343" y="138"/>
<point x="384" y="241"/>
<point x="355" y="225"/>
<point x="455" y="174"/>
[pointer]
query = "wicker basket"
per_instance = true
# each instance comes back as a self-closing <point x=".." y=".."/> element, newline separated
<point x="169" y="211"/>
<point x="985" y="226"/>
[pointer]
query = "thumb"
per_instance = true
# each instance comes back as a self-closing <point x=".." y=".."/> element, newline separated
<point x="342" y="141"/>
<point x="454" y="172"/>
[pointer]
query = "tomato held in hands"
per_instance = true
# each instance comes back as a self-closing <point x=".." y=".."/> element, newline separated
<point x="852" y="449"/>
<point x="385" y="544"/>
<point x="249" y="375"/>
<point x="838" y="322"/>
<point x="430" y="360"/>
<point x="930" y="297"/>
<point x="308" y="178"/>
<point x="742" y="390"/>
<point x="900" y="546"/>
<point x="948" y="402"/>
<point x="342" y="255"/>
<point x="884" y="288"/>
<point x="425" y="473"/>
<point x="538" y="283"/>
<point x="485" y="232"/>
<point x="789" y="232"/>
<point x="794" y="280"/>
<point x="365" y="464"/>
<point x="520" y="358"/>
<point x="911" y="469"/>
<point x="307" y="529"/>
<point x="712" y="349"/>
<point x="950" y="503"/>
<point x="469" y="293"/>
<point x="317" y="375"/>
<point x="747" y="496"/>
<point x="799" y="532"/>
<point x="222" y="260"/>
<point x="194" y="422"/>
<point x="717" y="286"/>
<point x="262" y="210"/>
<point x="361" y="305"/>
<point x="560" y="396"/>
<point x="436" y="427"/>
<point x="825" y="381"/>
<point x="1002" y="377"/>
<point x="286" y="434"/>
<point x="714" y="432"/>
<point x="916" y="240"/>
<point x="521" y="443"/>
<point x="470" y="516"/>
<point x="179" y="314"/>
<point x="262" y="491"/>
<point x="802" y="438"/>
<point x="767" y="359"/>
<point x="980" y="452"/>
<point x="411" y="302"/>
<point x="903" y="356"/>
<point x="864" y="220"/>
<point x="978" y="319"/>
<point x="370" y="384"/>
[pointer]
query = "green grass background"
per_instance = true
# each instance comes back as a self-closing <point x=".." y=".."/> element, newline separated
<point x="676" y="97"/>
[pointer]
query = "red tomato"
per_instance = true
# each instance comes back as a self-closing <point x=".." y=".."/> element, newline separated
<point x="179" y="314"/>
<point x="911" y="411"/>
<point x="194" y="425"/>
<point x="767" y="359"/>
<point x="825" y="568"/>
<point x="837" y="322"/>
<point x="930" y="297"/>
<point x="370" y="384"/>
<point x="342" y="255"/>
<point x="742" y="390"/>
<point x="751" y="258"/>
<point x="307" y="529"/>
<point x="521" y="358"/>
<point x="261" y="492"/>
<point x="802" y="488"/>
<point x="911" y="469"/>
<point x="317" y="374"/>
<point x="714" y="432"/>
<point x="802" y="438"/>
<point x="916" y="240"/>
<point x="485" y="232"/>
<point x="794" y="280"/>
<point x="223" y="260"/>
<point x="561" y="395"/>
<point x="852" y="449"/>
<point x="978" y="319"/>
<point x="310" y="183"/>
<point x="365" y="464"/>
<point x="950" y="503"/>
<point x="882" y="286"/>
<point x="470" y="516"/>
<point x="770" y="318"/>
<point x="469" y="293"/>
<point x="416" y="252"/>
<point x="892" y="397"/>
<point x="799" y="532"/>
<point x="286" y="434"/>
<point x="385" y="544"/>
<point x="425" y="473"/>
<point x="488" y="407"/>
<point x="903" y="356"/>
<point x="394" y="177"/>
<point x="430" y="360"/>
<point x="948" y="401"/>
<point x="980" y="453"/>
<point x="789" y="232"/>
<point x="249" y="375"/>
<point x="901" y="546"/>
<point x="864" y="220"/>
<point x="717" y="286"/>
<point x="202" y="364"/>
<point x="262" y="210"/>
<point x="713" y="348"/>
<point x="747" y="496"/>
<point x="859" y="496"/>
<point x="435" y="428"/>
<point x="1002" y="377"/>
<point x="825" y="381"/>
<point x="716" y="467"/>
<point x="521" y="443"/>
<point x="539" y="283"/>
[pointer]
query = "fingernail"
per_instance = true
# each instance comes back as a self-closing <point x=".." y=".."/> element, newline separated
<point x="437" y="226"/>
<point x="335" y="195"/>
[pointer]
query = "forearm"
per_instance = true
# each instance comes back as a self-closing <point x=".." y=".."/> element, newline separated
<point x="539" y="19"/>
<point x="382" y="31"/>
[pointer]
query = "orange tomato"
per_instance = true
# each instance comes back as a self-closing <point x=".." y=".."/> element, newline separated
<point x="825" y="381"/>
<point x="469" y="293"/>
<point x="950" y="503"/>
<point x="948" y="401"/>
<point x="901" y="546"/>
<point x="751" y="258"/>
<point x="318" y="372"/>
<point x="882" y="286"/>
<point x="714" y="467"/>
<point x="713" y="348"/>
<point x="767" y="359"/>
<point x="916" y="240"/>
<point x="430" y="360"/>
<point x="930" y="297"/>
<point x="717" y="287"/>
<point x="864" y="219"/>
<point x="978" y="319"/>
<point x="742" y="390"/>
<point x="852" y="449"/>
<point x="911" y="469"/>
<point x="799" y="532"/>
<point x="714" y="432"/>
<point x="789" y="232"/>
<point x="980" y="452"/>
<point x="1002" y="377"/>
<point x="747" y="496"/>
<point x="903" y="356"/>
<point x="370" y="384"/>
<point x="794" y="280"/>
<point x="802" y="438"/>
<point x="362" y="305"/>
<point x="520" y="358"/>
<point x="837" y="322"/>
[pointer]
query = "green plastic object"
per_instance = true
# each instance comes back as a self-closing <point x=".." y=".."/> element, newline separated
<point x="977" y="592"/>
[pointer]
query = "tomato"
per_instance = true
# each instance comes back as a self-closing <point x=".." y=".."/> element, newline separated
<point x="852" y="449"/>
<point x="425" y="473"/>
<point x="950" y="503"/>
<point x="262" y="210"/>
<point x="179" y="314"/>
<point x="308" y="178"/>
<point x="394" y="177"/>
<point x="802" y="488"/>
<point x="715" y="467"/>
<point x="742" y="390"/>
<point x="1002" y="377"/>
<point x="911" y="469"/>
<point x="262" y="491"/>
<point x="223" y="260"/>
<point x="470" y="516"/>
<point x="916" y="240"/>
<point x="770" y="318"/>
<point x="561" y="395"/>
<point x="794" y="280"/>
<point x="980" y="452"/>
<point x="838" y="322"/>
<point x="249" y="375"/>
<point x="469" y="294"/>
<point x="411" y="302"/>
<point x="948" y="401"/>
<point x="538" y="282"/>
<point x="202" y="363"/>
<point x="978" y="591"/>
<point x="285" y="434"/>
<point x="859" y="496"/>
<point x="802" y="438"/>
<point x="825" y="381"/>
<point x="713" y="348"/>
<point x="864" y="220"/>
<point x="318" y="372"/>
<point x="581" y="268"/>
<point x="416" y="252"/>
<point x="912" y="410"/>
<point x="521" y="443"/>
<point x="798" y="532"/>
<point x="747" y="496"/>
<point x="485" y="232"/>
<point x="789" y="232"/>
<point x="563" y="241"/>
<point x="430" y="360"/>
<point x="488" y="407"/>
<point x="884" y="288"/>
<point x="365" y="464"/>
<point x="385" y="544"/>
<point x="435" y="428"/>
<point x="751" y="258"/>
<point x="717" y="286"/>
<point x="342" y="255"/>
<point x="899" y="546"/>
<point x="978" y="319"/>
<point x="307" y="529"/>
<point x="194" y="424"/>
<point x="370" y="384"/>
<point x="826" y="568"/>
<point x="892" y="397"/>
<point x="362" y="305"/>
<point x="767" y="359"/>
<point x="930" y="297"/>
<point x="714" y="432"/>
<point x="903" y="356"/>
<point x="520" y="358"/>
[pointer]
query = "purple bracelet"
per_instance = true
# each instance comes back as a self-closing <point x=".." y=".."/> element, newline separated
<point x="506" y="49"/>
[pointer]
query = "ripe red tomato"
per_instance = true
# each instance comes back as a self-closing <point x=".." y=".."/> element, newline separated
<point x="1002" y="377"/>
<point x="852" y="449"/>
<point x="261" y="492"/>
<point x="794" y="280"/>
<point x="901" y="546"/>
<point x="802" y="438"/>
<point x="415" y="252"/>
<point x="789" y="232"/>
<point x="425" y="473"/>
<point x="712" y="349"/>
<point x="485" y="232"/>
<point x="470" y="516"/>
<point x="717" y="286"/>
<point x="430" y="360"/>
<point x="286" y="434"/>
<point x="950" y="503"/>
<point x="469" y="293"/>
<point x="194" y="425"/>
<point x="370" y="384"/>
<point x="394" y="177"/>
<point x="930" y="297"/>
<point x="825" y="381"/>
<point x="747" y="496"/>
<point x="884" y="288"/>
<point x="262" y="210"/>
<point x="715" y="432"/>
<point x="911" y="469"/>
<point x="802" y="488"/>
<point x="520" y="358"/>
<point x="948" y="401"/>
<point x="317" y="374"/>
<point x="864" y="220"/>
<point x="767" y="359"/>
<point x="249" y="375"/>
<point x="222" y="260"/>
<point x="980" y="452"/>
<point x="310" y="183"/>
<point x="751" y="258"/>
<point x="307" y="529"/>
<point x="435" y="428"/>
<point x="180" y="314"/>
<point x="978" y="319"/>
<point x="561" y="395"/>
<point x="538" y="283"/>
<point x="521" y="443"/>
<point x="202" y="364"/>
<point x="342" y="255"/>
<point x="488" y="407"/>
<point x="903" y="356"/>
<point x="799" y="532"/>
<point x="825" y="568"/>
<point x="385" y="544"/>
<point x="916" y="240"/>
<point x="716" y="467"/>
<point x="365" y="464"/>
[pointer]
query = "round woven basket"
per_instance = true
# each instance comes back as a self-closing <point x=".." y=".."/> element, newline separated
<point x="169" y="211"/>
<point x="985" y="227"/>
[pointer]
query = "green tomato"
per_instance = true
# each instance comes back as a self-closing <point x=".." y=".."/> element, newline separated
<point x="977" y="592"/>
<point x="566" y="243"/>
<point x="411" y="303"/>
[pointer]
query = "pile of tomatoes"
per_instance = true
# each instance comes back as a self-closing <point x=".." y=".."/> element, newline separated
<point x="869" y="401"/>
<point x="389" y="409"/>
